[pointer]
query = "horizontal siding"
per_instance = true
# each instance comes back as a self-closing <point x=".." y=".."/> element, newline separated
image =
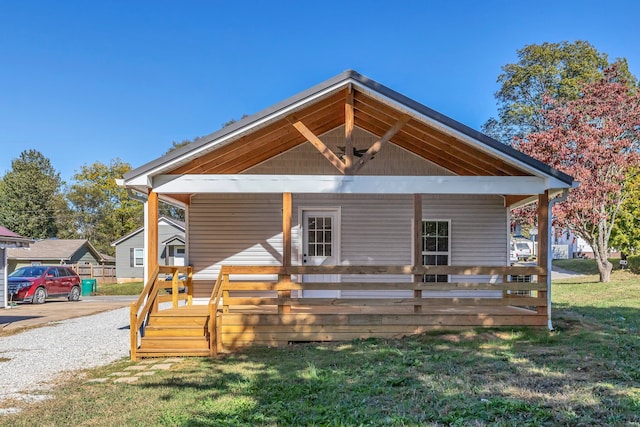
<point x="234" y="229"/>
<point x="245" y="229"/>
<point x="375" y="230"/>
<point x="124" y="270"/>
<point x="478" y="232"/>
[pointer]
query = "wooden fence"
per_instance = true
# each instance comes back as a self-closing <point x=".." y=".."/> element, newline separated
<point x="102" y="273"/>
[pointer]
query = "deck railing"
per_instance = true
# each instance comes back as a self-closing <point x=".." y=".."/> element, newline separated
<point x="285" y="293"/>
<point x="151" y="297"/>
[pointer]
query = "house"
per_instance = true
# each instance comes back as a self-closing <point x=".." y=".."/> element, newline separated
<point x="8" y="240"/>
<point x="57" y="251"/>
<point x="130" y="260"/>
<point x="348" y="210"/>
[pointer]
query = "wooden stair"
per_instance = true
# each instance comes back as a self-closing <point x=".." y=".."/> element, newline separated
<point x="178" y="331"/>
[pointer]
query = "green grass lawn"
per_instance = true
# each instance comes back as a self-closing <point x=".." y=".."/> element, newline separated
<point x="132" y="288"/>
<point x="583" y="266"/>
<point x="586" y="372"/>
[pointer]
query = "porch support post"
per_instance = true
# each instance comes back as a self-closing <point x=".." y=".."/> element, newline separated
<point x="348" y="132"/>
<point x="152" y="233"/>
<point x="417" y="245"/>
<point x="543" y="247"/>
<point x="286" y="251"/>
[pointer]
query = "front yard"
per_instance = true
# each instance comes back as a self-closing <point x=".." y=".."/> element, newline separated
<point x="586" y="372"/>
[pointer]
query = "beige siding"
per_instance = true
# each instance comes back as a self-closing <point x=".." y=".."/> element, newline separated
<point x="305" y="159"/>
<point x="478" y="231"/>
<point x="234" y="230"/>
<point x="375" y="230"/>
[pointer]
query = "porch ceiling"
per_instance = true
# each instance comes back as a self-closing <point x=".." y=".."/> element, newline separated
<point x="370" y="114"/>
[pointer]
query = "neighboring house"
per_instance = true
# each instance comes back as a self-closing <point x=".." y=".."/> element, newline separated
<point x="57" y="251"/>
<point x="130" y="254"/>
<point x="567" y="244"/>
<point x="351" y="183"/>
<point x="8" y="240"/>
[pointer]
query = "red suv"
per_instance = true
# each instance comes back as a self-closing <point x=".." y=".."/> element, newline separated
<point x="38" y="282"/>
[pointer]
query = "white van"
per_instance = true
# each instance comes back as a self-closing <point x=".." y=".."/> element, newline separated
<point x="522" y="249"/>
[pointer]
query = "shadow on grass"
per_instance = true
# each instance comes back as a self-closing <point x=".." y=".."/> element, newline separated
<point x="584" y="373"/>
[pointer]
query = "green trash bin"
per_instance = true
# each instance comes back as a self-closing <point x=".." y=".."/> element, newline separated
<point x="88" y="286"/>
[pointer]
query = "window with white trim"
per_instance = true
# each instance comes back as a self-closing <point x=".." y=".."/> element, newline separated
<point x="138" y="257"/>
<point x="436" y="237"/>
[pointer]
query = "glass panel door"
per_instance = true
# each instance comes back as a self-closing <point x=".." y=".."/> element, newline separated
<point x="320" y="241"/>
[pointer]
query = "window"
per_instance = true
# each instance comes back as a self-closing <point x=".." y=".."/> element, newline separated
<point x="435" y="247"/>
<point x="138" y="257"/>
<point x="319" y="235"/>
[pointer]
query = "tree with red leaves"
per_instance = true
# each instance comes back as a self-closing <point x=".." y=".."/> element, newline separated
<point x="595" y="139"/>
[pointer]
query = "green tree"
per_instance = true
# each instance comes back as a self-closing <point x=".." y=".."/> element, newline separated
<point x="31" y="201"/>
<point x="103" y="211"/>
<point x="556" y="70"/>
<point x="625" y="235"/>
<point x="175" y="145"/>
<point x="596" y="140"/>
<point x="232" y="121"/>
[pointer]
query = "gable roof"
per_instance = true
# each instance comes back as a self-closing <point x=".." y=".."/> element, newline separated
<point x="180" y="225"/>
<point x="9" y="239"/>
<point x="428" y="134"/>
<point x="54" y="250"/>
<point x="175" y="238"/>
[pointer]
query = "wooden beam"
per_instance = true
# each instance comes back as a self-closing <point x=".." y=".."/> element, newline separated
<point x="417" y="245"/>
<point x="286" y="229"/>
<point x="152" y="232"/>
<point x="511" y="200"/>
<point x="320" y="146"/>
<point x="285" y="279"/>
<point x="348" y="131"/>
<point x="377" y="146"/>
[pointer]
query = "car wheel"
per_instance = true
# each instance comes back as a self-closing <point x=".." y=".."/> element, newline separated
<point x="39" y="296"/>
<point x="74" y="295"/>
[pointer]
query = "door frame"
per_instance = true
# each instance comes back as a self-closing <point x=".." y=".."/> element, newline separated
<point x="337" y="244"/>
<point x="338" y="226"/>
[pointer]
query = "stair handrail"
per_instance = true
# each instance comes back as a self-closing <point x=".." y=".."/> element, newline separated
<point x="214" y="301"/>
<point x="137" y="317"/>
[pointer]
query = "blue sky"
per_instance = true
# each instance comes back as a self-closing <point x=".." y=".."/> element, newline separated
<point x="86" y="81"/>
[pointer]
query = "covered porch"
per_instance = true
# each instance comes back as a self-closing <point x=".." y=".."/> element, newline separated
<point x="275" y="305"/>
<point x="346" y="211"/>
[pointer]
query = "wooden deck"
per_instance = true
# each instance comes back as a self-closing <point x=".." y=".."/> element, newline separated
<point x="258" y="313"/>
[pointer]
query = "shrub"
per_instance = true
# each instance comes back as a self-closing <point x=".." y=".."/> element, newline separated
<point x="633" y="263"/>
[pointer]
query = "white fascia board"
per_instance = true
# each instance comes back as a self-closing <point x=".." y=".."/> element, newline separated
<point x="139" y="181"/>
<point x="452" y="132"/>
<point x="241" y="131"/>
<point x="497" y="185"/>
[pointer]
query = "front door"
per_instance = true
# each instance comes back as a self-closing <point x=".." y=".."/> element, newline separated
<point x="320" y="246"/>
<point x="178" y="256"/>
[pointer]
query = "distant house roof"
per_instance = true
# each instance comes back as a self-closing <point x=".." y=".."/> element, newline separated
<point x="9" y="239"/>
<point x="176" y="223"/>
<point x="108" y="259"/>
<point x="54" y="250"/>
<point x="175" y="239"/>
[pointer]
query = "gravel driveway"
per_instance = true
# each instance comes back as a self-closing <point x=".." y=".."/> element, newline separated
<point x="32" y="360"/>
